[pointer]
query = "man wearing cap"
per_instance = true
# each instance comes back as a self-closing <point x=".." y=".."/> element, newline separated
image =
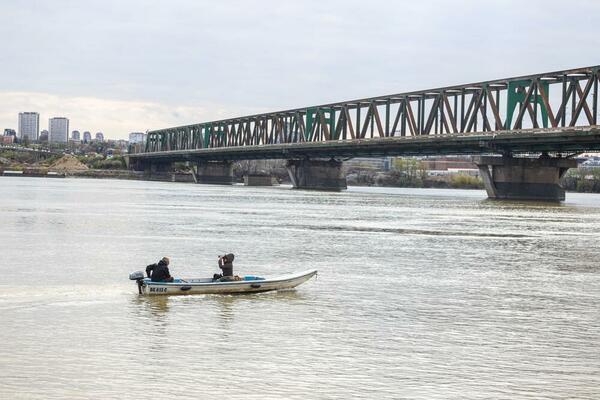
<point x="159" y="272"/>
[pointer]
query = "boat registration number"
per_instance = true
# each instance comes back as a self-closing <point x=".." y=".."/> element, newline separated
<point x="158" y="289"/>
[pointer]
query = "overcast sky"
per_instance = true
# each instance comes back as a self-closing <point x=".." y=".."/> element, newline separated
<point x="121" y="66"/>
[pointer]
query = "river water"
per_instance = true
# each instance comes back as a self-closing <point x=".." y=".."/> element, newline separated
<point x="421" y="294"/>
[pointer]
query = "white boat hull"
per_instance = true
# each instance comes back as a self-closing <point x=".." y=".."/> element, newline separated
<point x="207" y="286"/>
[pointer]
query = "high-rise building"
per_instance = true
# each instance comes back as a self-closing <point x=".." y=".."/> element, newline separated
<point x="137" y="137"/>
<point x="58" y="130"/>
<point x="75" y="135"/>
<point x="87" y="137"/>
<point x="100" y="137"/>
<point x="29" y="125"/>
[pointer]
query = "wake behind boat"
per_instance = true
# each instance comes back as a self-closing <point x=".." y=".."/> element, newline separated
<point x="246" y="284"/>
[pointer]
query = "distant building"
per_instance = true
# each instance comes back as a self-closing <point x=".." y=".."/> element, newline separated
<point x="137" y="137"/>
<point x="44" y="136"/>
<point x="447" y="163"/>
<point x="59" y="130"/>
<point x="8" y="139"/>
<point x="10" y="132"/>
<point x="122" y="143"/>
<point x="374" y="163"/>
<point x="29" y="125"/>
<point x="100" y="137"/>
<point x="75" y="135"/>
<point x="87" y="137"/>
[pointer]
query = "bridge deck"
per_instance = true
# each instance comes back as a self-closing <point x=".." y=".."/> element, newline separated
<point x="575" y="139"/>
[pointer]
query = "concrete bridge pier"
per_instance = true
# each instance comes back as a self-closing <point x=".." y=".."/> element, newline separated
<point x="135" y="164"/>
<point x="258" y="173"/>
<point x="215" y="172"/>
<point x="156" y="170"/>
<point x="317" y="174"/>
<point x="156" y="167"/>
<point x="524" y="178"/>
<point x="258" y="179"/>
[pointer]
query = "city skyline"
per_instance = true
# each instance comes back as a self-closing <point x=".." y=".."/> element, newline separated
<point x="121" y="74"/>
<point x="41" y="129"/>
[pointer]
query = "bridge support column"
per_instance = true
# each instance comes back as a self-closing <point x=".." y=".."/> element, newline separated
<point x="159" y="171"/>
<point x="135" y="164"/>
<point x="524" y="178"/>
<point x="156" y="167"/>
<point x="317" y="174"/>
<point x="215" y="172"/>
<point x="258" y="173"/>
<point x="258" y="180"/>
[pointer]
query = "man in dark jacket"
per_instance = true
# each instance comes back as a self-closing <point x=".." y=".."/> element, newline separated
<point x="226" y="265"/>
<point x="159" y="272"/>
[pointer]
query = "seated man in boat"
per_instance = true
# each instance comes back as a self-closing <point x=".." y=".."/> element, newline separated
<point x="159" y="272"/>
<point x="226" y="265"/>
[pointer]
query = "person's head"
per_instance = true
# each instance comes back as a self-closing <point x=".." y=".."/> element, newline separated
<point x="165" y="260"/>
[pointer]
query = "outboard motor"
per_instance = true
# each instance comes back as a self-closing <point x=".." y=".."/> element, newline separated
<point x="137" y="276"/>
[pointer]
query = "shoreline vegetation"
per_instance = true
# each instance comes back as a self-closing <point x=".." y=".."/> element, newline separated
<point x="403" y="173"/>
<point x="582" y="180"/>
<point x="410" y="173"/>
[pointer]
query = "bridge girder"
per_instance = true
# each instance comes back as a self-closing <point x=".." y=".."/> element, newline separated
<point x="565" y="140"/>
<point x="556" y="100"/>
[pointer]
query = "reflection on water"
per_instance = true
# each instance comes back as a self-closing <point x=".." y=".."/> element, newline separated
<point x="154" y="310"/>
<point x="523" y="205"/>
<point x="425" y="294"/>
<point x="155" y="306"/>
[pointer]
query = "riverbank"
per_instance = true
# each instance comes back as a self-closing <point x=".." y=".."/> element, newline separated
<point x="393" y="179"/>
<point x="405" y="174"/>
<point x="91" y="173"/>
<point x="99" y="174"/>
<point x="575" y="182"/>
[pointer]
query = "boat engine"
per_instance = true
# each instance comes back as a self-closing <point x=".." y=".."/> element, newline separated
<point x="137" y="276"/>
<point x="134" y="276"/>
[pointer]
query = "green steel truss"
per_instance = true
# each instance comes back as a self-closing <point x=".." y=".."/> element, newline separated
<point x="556" y="99"/>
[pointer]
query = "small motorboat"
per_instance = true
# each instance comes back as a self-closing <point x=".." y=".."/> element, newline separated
<point x="245" y="284"/>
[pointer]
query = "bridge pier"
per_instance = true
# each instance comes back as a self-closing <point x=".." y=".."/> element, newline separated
<point x="258" y="173"/>
<point x="136" y="164"/>
<point x="215" y="172"/>
<point x="160" y="171"/>
<point x="317" y="174"/>
<point x="524" y="178"/>
<point x="156" y="167"/>
<point x="258" y="180"/>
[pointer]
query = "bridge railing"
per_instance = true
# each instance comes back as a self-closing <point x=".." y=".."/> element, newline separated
<point x="556" y="99"/>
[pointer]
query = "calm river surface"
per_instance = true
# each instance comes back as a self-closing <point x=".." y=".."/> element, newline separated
<point x="421" y="294"/>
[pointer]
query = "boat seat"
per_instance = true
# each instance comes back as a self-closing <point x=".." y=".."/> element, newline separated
<point x="253" y="278"/>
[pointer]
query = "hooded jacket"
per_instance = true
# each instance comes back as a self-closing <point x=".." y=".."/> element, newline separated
<point x="158" y="272"/>
<point x="227" y="267"/>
